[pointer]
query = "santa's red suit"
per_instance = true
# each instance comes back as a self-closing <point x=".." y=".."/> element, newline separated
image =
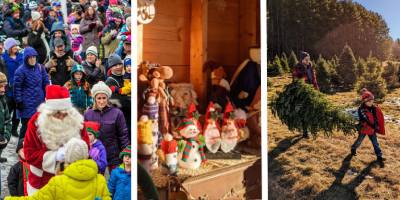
<point x="46" y="134"/>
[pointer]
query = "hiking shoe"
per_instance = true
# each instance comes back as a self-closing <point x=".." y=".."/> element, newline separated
<point x="3" y="160"/>
<point x="353" y="152"/>
<point x="305" y="135"/>
<point x="380" y="162"/>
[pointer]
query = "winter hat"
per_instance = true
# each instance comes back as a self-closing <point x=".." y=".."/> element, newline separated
<point x="3" y="78"/>
<point x="117" y="15"/>
<point x="92" y="127"/>
<point x="229" y="112"/>
<point x="74" y="26"/>
<point x="192" y="111"/>
<point x="169" y="145"/>
<point x="77" y="68"/>
<point x="101" y="88"/>
<point x="33" y="5"/>
<point x="57" y="98"/>
<point x="303" y="55"/>
<point x="113" y="2"/>
<point x="113" y="60"/>
<point x="10" y="42"/>
<point x="126" y="151"/>
<point x="56" y="4"/>
<point x="76" y="149"/>
<point x="58" y="42"/>
<point x="366" y="95"/>
<point x="185" y="123"/>
<point x="94" y="4"/>
<point x="35" y="15"/>
<point x="92" y="50"/>
<point x="127" y="62"/>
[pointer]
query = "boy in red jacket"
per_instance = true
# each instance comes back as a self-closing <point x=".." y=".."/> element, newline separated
<point x="371" y="122"/>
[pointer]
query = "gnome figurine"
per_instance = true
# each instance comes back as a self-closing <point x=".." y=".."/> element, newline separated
<point x="229" y="131"/>
<point x="211" y="132"/>
<point x="191" y="146"/>
<point x="194" y="115"/>
<point x="169" y="148"/>
<point x="145" y="142"/>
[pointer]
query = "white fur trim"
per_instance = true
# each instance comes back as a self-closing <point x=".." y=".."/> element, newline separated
<point x="59" y="104"/>
<point x="38" y="172"/>
<point x="30" y="189"/>
<point x="49" y="162"/>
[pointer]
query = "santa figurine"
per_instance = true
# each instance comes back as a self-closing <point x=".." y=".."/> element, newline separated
<point x="145" y="142"/>
<point x="211" y="132"/>
<point x="229" y="131"/>
<point x="191" y="146"/>
<point x="50" y="128"/>
<point x="169" y="148"/>
<point x="194" y="115"/>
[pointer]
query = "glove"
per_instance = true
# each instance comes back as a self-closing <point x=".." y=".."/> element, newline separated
<point x="92" y="25"/>
<point x="69" y="62"/>
<point x="20" y="105"/>
<point x="115" y="89"/>
<point x="60" y="156"/>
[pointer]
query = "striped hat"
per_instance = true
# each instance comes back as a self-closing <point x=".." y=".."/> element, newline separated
<point x="126" y="151"/>
<point x="92" y="127"/>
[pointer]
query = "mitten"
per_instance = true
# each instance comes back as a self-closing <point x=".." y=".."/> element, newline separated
<point x="115" y="89"/>
<point x="126" y="90"/>
<point x="60" y="156"/>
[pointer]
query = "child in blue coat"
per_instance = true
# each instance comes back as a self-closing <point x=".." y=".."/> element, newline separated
<point x="119" y="184"/>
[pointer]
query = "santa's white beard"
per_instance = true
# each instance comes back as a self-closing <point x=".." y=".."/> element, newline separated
<point x="55" y="132"/>
<point x="229" y="135"/>
<point x="212" y="137"/>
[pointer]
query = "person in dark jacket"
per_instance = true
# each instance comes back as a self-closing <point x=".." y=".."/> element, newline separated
<point x="14" y="26"/>
<point x="5" y="117"/>
<point x="13" y="59"/>
<point x="37" y="39"/>
<point x="113" y="131"/>
<point x="304" y="70"/>
<point x="371" y="120"/>
<point x="60" y="64"/>
<point x="17" y="177"/>
<point x="58" y="31"/>
<point x="116" y="82"/>
<point x="90" y="27"/>
<point x="94" y="70"/>
<point x="30" y="81"/>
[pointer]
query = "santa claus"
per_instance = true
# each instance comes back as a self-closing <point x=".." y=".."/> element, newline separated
<point x="52" y="126"/>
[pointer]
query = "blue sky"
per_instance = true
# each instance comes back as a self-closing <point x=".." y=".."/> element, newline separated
<point x="389" y="9"/>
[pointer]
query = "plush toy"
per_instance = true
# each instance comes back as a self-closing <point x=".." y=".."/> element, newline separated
<point x="211" y="133"/>
<point x="219" y="88"/>
<point x="191" y="146"/>
<point x="183" y="95"/>
<point x="169" y="155"/>
<point x="229" y="131"/>
<point x="145" y="142"/>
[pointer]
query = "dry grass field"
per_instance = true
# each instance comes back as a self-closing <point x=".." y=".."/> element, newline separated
<point x="322" y="167"/>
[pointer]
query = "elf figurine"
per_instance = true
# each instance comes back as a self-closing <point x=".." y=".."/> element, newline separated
<point x="169" y="156"/>
<point x="145" y="142"/>
<point x="229" y="131"/>
<point x="211" y="129"/>
<point x="191" y="146"/>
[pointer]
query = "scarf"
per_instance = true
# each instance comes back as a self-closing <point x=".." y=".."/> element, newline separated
<point x="188" y="147"/>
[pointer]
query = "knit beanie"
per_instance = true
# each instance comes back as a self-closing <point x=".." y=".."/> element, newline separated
<point x="35" y="15"/>
<point x="366" y="95"/>
<point x="126" y="151"/>
<point x="101" y="88"/>
<point x="76" y="149"/>
<point x="92" y="127"/>
<point x="127" y="61"/>
<point x="92" y="50"/>
<point x="10" y="42"/>
<point x="113" y="60"/>
<point x="3" y="78"/>
<point x="113" y="2"/>
<point x="303" y="55"/>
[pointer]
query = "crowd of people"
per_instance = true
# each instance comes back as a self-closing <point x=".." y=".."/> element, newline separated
<point x="65" y="81"/>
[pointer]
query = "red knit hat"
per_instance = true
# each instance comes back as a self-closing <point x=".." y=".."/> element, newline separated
<point x="92" y="127"/>
<point x="126" y="151"/>
<point x="169" y="146"/>
<point x="57" y="98"/>
<point x="229" y="112"/>
<point x="185" y="123"/>
<point x="191" y="110"/>
<point x="366" y="95"/>
<point x="208" y="115"/>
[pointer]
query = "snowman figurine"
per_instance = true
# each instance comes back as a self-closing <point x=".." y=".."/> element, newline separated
<point x="229" y="131"/>
<point x="169" y="149"/>
<point x="145" y="142"/>
<point x="191" y="146"/>
<point x="211" y="132"/>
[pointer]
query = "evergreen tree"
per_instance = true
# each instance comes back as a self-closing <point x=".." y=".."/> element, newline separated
<point x="390" y="74"/>
<point x="292" y="61"/>
<point x="285" y="63"/>
<point x="323" y="75"/>
<point x="360" y="69"/>
<point x="275" y="68"/>
<point x="347" y="68"/>
<point x="372" y="79"/>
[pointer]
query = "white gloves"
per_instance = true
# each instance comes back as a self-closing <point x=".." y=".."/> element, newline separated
<point x="60" y="156"/>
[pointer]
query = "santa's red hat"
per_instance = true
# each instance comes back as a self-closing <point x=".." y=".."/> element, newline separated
<point x="229" y="112"/>
<point x="210" y="108"/>
<point x="57" y="98"/>
<point x="192" y="109"/>
<point x="169" y="146"/>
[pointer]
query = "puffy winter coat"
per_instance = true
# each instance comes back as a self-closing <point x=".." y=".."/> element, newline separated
<point x="5" y="119"/>
<point x="62" y="74"/>
<point x="113" y="131"/>
<point x="120" y="184"/>
<point x="91" y="35"/>
<point x="38" y="41"/>
<point x="59" y="26"/>
<point x="93" y="73"/>
<point x="98" y="153"/>
<point x="371" y="120"/>
<point x="15" y="179"/>
<point x="79" y="181"/>
<point x="12" y="65"/>
<point x="15" y="28"/>
<point x="29" y="85"/>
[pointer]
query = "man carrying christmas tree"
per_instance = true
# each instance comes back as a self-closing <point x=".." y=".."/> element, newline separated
<point x="304" y="70"/>
<point x="371" y="122"/>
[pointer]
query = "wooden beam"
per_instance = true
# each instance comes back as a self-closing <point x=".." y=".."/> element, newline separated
<point x="249" y="26"/>
<point x="139" y="45"/>
<point x="198" y="49"/>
